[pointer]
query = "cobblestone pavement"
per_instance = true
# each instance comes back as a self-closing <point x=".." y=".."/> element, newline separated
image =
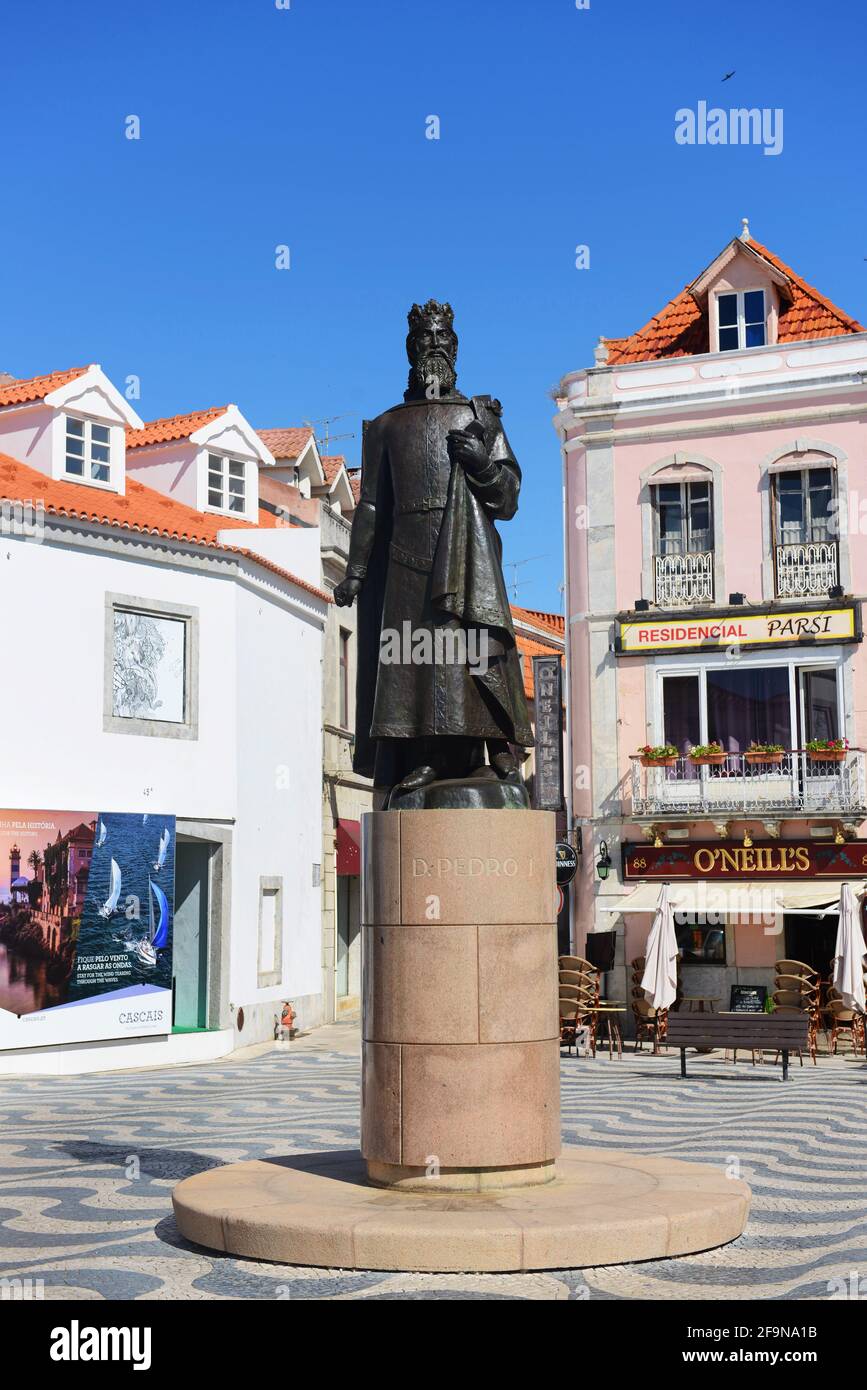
<point x="87" y="1165"/>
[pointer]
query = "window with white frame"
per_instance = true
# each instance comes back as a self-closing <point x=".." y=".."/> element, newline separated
<point x="227" y="489"/>
<point x="683" y="518"/>
<point x="804" y="505"/>
<point x="741" y="318"/>
<point x="87" y="448"/>
<point x="737" y="704"/>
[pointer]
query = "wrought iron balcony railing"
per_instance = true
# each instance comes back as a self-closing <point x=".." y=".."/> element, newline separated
<point x="806" y="570"/>
<point x="797" y="785"/>
<point x="683" y="579"/>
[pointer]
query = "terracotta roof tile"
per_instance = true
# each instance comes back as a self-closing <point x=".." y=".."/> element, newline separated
<point x="173" y="427"/>
<point x="36" y="388"/>
<point x="331" y="466"/>
<point x="554" y="622"/>
<point x="142" y="509"/>
<point x="286" y="443"/>
<point x="681" y="328"/>
<point x="528" y="649"/>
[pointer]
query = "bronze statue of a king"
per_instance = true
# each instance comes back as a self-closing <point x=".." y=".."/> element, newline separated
<point x="439" y="692"/>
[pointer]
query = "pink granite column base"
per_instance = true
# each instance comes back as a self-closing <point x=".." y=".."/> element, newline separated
<point x="461" y="1075"/>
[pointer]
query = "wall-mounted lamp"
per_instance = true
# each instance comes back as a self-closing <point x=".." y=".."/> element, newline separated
<point x="737" y="600"/>
<point x="835" y="591"/>
<point x="603" y="863"/>
<point x="642" y="605"/>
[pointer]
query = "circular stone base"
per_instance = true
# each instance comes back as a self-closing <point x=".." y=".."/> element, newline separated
<point x="395" y="1175"/>
<point x="604" y="1207"/>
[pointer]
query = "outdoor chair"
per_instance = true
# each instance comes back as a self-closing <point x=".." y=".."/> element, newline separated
<point x="797" y="967"/>
<point x="649" y="1023"/>
<point x="844" y="1021"/>
<point x="577" y="963"/>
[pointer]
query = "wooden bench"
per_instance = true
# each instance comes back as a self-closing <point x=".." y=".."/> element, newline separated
<point x="764" y="1032"/>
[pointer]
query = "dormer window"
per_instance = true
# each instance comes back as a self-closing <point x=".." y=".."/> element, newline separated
<point x="87" y="450"/>
<point x="226" y="484"/>
<point x="741" y="320"/>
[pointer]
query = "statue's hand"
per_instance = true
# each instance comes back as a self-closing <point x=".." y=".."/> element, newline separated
<point x="468" y="450"/>
<point x="346" y="592"/>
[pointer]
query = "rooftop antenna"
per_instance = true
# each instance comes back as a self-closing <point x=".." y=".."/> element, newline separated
<point x="515" y="565"/>
<point x="326" y="438"/>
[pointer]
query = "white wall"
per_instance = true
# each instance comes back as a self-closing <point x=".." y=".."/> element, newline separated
<point x="256" y="763"/>
<point x="169" y="468"/>
<point x="295" y="548"/>
<point x="279" y="791"/>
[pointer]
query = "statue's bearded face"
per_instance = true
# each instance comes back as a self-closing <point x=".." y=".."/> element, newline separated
<point x="432" y="349"/>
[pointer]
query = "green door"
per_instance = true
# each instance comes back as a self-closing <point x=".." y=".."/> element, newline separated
<point x="190" y="951"/>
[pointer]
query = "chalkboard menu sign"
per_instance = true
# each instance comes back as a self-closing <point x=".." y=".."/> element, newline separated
<point x="748" y="999"/>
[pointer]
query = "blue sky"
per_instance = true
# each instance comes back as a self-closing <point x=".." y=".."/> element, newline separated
<point x="306" y="127"/>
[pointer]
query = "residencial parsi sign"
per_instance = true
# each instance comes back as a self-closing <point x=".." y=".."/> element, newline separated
<point x="743" y="628"/>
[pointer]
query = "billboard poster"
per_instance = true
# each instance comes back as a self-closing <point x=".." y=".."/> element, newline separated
<point x="86" y="918"/>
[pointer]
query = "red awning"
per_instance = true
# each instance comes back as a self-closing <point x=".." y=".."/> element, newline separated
<point x="349" y="846"/>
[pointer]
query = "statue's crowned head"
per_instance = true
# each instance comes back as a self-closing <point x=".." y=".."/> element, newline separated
<point x="432" y="349"/>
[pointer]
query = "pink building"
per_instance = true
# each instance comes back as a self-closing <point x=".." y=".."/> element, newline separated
<point x="715" y="467"/>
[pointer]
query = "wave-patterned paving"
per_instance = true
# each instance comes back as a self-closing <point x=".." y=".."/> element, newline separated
<point x="87" y="1165"/>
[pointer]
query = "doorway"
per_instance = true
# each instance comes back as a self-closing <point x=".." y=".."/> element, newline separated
<point x="811" y="940"/>
<point x="190" y="949"/>
<point x="348" y="965"/>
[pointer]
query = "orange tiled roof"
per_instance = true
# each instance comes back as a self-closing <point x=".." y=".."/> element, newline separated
<point x="681" y="328"/>
<point x="528" y="649"/>
<point x="36" y="388"/>
<point x="354" y="476"/>
<point x="554" y="622"/>
<point x="331" y="466"/>
<point x="141" y="509"/>
<point x="173" y="427"/>
<point x="286" y="443"/>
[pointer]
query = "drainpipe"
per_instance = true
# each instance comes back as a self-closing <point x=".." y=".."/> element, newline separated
<point x="567" y="635"/>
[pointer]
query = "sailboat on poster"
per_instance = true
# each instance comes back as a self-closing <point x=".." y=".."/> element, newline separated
<point x="163" y="850"/>
<point x="109" y="907"/>
<point x="157" y="938"/>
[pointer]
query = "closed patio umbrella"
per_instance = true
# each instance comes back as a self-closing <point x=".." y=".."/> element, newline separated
<point x="849" y="951"/>
<point x="659" y="980"/>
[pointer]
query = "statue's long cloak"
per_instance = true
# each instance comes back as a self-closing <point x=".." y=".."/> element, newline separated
<point x="458" y="583"/>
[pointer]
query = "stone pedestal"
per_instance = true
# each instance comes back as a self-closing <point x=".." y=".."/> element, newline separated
<point x="460" y="1101"/>
<point x="461" y="1074"/>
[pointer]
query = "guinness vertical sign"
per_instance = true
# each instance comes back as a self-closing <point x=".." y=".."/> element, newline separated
<point x="548" y="781"/>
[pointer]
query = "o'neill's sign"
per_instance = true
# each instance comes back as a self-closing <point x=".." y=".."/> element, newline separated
<point x="740" y="628"/>
<point x="780" y="859"/>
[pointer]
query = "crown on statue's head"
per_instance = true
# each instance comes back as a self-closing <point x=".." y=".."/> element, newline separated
<point x="420" y="313"/>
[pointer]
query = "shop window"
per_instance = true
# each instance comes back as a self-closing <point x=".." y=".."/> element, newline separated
<point x="705" y="945"/>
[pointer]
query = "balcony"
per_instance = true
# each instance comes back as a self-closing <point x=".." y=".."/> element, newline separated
<point x="680" y="580"/>
<point x="806" y="570"/>
<point x="797" y="786"/>
<point x="335" y="532"/>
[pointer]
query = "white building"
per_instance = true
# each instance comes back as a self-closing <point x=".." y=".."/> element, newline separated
<point x="103" y="517"/>
<point x="320" y="491"/>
